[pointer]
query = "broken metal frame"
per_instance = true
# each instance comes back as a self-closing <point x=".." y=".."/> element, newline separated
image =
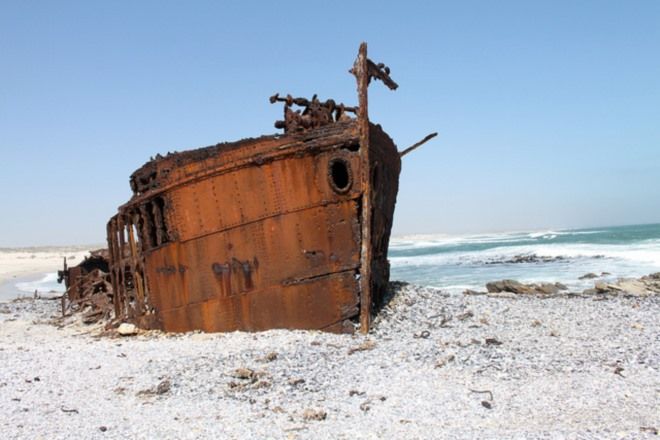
<point x="88" y="287"/>
<point x="127" y="266"/>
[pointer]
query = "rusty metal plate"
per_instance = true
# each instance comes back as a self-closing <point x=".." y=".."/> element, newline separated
<point x="326" y="301"/>
<point x="277" y="251"/>
<point x="246" y="195"/>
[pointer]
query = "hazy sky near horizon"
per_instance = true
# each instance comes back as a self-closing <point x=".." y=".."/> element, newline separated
<point x="548" y="113"/>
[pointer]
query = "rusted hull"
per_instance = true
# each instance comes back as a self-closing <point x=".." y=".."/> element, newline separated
<point x="283" y="231"/>
<point x="235" y="279"/>
<point x="384" y="181"/>
<point x="266" y="234"/>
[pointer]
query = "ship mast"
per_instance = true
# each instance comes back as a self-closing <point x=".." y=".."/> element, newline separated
<point x="364" y="69"/>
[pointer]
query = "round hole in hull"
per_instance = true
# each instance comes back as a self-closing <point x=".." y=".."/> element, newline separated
<point x="340" y="175"/>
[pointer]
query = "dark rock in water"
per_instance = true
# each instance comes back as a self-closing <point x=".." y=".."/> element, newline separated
<point x="588" y="276"/>
<point x="561" y="286"/>
<point x="527" y="258"/>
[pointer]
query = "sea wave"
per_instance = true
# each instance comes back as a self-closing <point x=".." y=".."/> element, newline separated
<point x="554" y="234"/>
<point x="543" y="234"/>
<point x="417" y="242"/>
<point x="427" y="245"/>
<point x="647" y="253"/>
<point x="420" y="242"/>
<point x="46" y="284"/>
<point x="641" y="253"/>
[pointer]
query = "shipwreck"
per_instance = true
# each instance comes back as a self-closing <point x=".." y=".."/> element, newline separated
<point x="282" y="231"/>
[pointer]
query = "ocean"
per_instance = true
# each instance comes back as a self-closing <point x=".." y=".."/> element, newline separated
<point x="45" y="284"/>
<point x="456" y="263"/>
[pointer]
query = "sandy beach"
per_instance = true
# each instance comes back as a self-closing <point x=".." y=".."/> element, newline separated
<point x="436" y="365"/>
<point x="18" y="262"/>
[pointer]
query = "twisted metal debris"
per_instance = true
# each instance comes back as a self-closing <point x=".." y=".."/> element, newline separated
<point x="88" y="288"/>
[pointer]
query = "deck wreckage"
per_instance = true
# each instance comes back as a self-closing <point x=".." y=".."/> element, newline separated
<point x="281" y="231"/>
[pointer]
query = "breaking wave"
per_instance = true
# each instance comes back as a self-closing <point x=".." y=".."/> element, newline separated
<point x="46" y="284"/>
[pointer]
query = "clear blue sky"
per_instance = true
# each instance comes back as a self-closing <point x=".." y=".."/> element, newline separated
<point x="548" y="112"/>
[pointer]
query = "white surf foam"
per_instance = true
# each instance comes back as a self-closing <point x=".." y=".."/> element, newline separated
<point x="426" y="241"/>
<point x="46" y="284"/>
<point x="422" y="241"/>
<point x="644" y="253"/>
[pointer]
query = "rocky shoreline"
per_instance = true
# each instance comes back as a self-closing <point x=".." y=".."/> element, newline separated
<point x="497" y="365"/>
<point x="643" y="286"/>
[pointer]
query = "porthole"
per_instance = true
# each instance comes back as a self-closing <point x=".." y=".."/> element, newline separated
<point x="339" y="173"/>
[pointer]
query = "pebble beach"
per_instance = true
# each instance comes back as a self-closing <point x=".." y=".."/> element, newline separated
<point x="435" y="365"/>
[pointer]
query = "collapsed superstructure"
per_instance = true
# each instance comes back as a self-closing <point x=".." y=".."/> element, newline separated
<point x="88" y="287"/>
<point x="282" y="231"/>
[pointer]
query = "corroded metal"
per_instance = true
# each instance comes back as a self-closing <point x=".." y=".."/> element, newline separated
<point x="315" y="113"/>
<point x="88" y="287"/>
<point x="361" y="72"/>
<point x="416" y="145"/>
<point x="283" y="231"/>
<point x="73" y="276"/>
